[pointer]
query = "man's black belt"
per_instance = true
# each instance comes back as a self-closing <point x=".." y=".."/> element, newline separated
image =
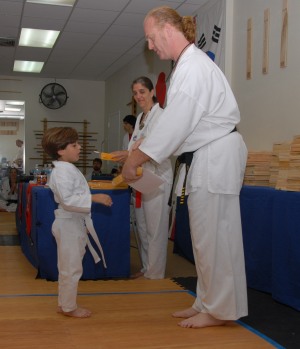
<point x="184" y="158"/>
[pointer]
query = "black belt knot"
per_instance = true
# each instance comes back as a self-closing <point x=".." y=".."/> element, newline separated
<point x="185" y="158"/>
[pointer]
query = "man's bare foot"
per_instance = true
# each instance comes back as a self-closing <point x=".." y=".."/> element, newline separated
<point x="78" y="312"/>
<point x="202" y="320"/>
<point x="186" y="313"/>
<point x="136" y="275"/>
<point x="59" y="309"/>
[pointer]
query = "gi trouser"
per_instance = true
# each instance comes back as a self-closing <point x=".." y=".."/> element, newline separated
<point x="71" y="238"/>
<point x="152" y="221"/>
<point x="216" y="233"/>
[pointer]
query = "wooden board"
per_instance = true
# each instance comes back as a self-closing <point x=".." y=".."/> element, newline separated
<point x="265" y="65"/>
<point x="249" y="49"/>
<point x="284" y="36"/>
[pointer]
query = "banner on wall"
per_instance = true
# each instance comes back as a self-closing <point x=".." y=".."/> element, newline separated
<point x="210" y="22"/>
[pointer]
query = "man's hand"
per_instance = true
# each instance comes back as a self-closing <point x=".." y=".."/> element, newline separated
<point x="134" y="160"/>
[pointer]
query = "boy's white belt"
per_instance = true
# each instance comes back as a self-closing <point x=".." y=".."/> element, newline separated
<point x="90" y="227"/>
<point x="61" y="213"/>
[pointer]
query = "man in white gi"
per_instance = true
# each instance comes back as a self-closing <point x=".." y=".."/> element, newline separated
<point x="200" y="117"/>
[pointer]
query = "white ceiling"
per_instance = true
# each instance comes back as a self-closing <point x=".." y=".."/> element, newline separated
<point x="97" y="37"/>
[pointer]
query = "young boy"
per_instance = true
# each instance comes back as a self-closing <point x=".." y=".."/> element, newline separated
<point x="72" y="218"/>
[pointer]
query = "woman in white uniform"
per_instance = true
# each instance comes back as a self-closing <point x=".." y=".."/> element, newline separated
<point x="72" y="217"/>
<point x="200" y="118"/>
<point x="152" y="217"/>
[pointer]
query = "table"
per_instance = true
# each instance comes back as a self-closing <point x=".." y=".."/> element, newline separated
<point x="112" y="225"/>
<point x="271" y="235"/>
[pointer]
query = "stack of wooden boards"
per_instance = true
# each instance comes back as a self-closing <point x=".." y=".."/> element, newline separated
<point x="279" y="168"/>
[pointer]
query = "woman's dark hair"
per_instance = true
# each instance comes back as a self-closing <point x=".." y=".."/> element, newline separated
<point x="58" y="138"/>
<point x="146" y="82"/>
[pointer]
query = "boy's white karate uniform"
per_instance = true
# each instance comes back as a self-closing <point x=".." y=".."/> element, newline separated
<point x="70" y="229"/>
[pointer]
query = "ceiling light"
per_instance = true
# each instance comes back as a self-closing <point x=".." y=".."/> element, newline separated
<point x="2" y="106"/>
<point x="53" y="2"/>
<point x="12" y="109"/>
<point x="14" y="102"/>
<point x="38" y="37"/>
<point x="28" y="66"/>
<point x="21" y="117"/>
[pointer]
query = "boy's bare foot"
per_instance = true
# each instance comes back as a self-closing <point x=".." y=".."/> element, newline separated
<point x="186" y="313"/>
<point x="78" y="312"/>
<point x="136" y="275"/>
<point x="202" y="320"/>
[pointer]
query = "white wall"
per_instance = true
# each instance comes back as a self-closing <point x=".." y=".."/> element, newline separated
<point x="269" y="104"/>
<point x="86" y="102"/>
